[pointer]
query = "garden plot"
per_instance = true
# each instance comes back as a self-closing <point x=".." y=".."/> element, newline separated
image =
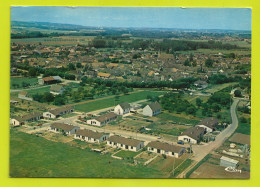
<point x="145" y="156"/>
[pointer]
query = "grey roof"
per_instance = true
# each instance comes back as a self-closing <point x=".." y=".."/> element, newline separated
<point x="125" y="141"/>
<point x="155" y="106"/>
<point x="209" y="122"/>
<point x="57" y="78"/>
<point x="125" y="105"/>
<point x="63" y="126"/>
<point x="229" y="160"/>
<point x="200" y="82"/>
<point x="89" y="133"/>
<point x="165" y="146"/>
<point x="56" y="88"/>
<point x="194" y="132"/>
<point x="105" y="117"/>
<point x="28" y="116"/>
<point x="57" y="111"/>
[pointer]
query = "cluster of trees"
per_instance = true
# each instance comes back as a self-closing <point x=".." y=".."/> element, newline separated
<point x="244" y="109"/>
<point x="221" y="79"/>
<point x="174" y="102"/>
<point x="177" y="84"/>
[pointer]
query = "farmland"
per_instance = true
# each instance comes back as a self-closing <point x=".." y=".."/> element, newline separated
<point x="20" y="80"/>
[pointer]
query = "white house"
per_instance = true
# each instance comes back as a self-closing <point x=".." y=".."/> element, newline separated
<point x="103" y="119"/>
<point x="122" y="109"/>
<point x="90" y="136"/>
<point x="125" y="143"/>
<point x="55" y="113"/>
<point x="25" y="96"/>
<point x="56" y="89"/>
<point x="209" y="124"/>
<point x="192" y="135"/>
<point x="152" y="109"/>
<point x="165" y="148"/>
<point x="63" y="128"/>
<point x="21" y="120"/>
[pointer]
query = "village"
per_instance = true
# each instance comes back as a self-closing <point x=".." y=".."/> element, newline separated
<point x="174" y="113"/>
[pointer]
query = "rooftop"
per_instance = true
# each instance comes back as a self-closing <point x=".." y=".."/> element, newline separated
<point x="125" y="141"/>
<point x="165" y="146"/>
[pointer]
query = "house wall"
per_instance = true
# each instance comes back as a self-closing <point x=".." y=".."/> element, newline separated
<point x="168" y="153"/>
<point x="49" y="115"/>
<point x="187" y="139"/>
<point x="14" y="122"/>
<point x="94" y="122"/>
<point x="119" y="111"/>
<point x="147" y="111"/>
<point x="56" y="130"/>
<point x="206" y="128"/>
<point x="126" y="147"/>
<point x="92" y="140"/>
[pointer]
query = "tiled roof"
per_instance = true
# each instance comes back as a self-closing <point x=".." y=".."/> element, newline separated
<point x="125" y="141"/>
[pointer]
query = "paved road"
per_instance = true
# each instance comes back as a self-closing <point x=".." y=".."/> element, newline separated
<point x="200" y="151"/>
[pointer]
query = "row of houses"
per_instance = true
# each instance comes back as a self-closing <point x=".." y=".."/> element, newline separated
<point x="35" y="116"/>
<point x="194" y="134"/>
<point x="116" y="141"/>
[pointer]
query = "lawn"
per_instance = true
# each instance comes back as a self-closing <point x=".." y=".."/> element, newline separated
<point x="39" y="90"/>
<point x="244" y="128"/>
<point x="20" y="80"/>
<point x="182" y="167"/>
<point x="105" y="103"/>
<point x="176" y="119"/>
<point x="127" y="154"/>
<point x="32" y="156"/>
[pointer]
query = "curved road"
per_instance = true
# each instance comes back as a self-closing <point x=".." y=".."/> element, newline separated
<point x="200" y="151"/>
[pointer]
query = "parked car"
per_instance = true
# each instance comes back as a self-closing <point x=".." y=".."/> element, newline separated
<point x="180" y="142"/>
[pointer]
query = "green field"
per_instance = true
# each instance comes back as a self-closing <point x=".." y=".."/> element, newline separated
<point x="20" y="80"/>
<point x="105" y="103"/>
<point x="39" y="90"/>
<point x="182" y="167"/>
<point x="127" y="154"/>
<point x="32" y="156"/>
<point x="178" y="120"/>
<point x="244" y="128"/>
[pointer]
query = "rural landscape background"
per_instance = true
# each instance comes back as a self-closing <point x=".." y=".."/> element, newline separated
<point x="75" y="66"/>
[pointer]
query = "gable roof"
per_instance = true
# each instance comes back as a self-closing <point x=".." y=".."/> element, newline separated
<point x="57" y="111"/>
<point x="56" y="88"/>
<point x="194" y="132"/>
<point x="104" y="74"/>
<point x="155" y="106"/>
<point x="63" y="126"/>
<point x="165" y="146"/>
<point x="229" y="160"/>
<point x="48" y="79"/>
<point x="105" y="117"/>
<point x="124" y="105"/>
<point x="28" y="116"/>
<point x="125" y="141"/>
<point x="209" y="122"/>
<point x="89" y="133"/>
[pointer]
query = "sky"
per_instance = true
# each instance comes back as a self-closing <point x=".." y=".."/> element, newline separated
<point x="149" y="17"/>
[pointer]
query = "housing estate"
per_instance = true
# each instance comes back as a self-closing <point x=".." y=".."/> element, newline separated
<point x="55" y="113"/>
<point x="165" y="148"/>
<point x="91" y="136"/>
<point x="63" y="128"/>
<point x="125" y="143"/>
<point x="103" y="119"/>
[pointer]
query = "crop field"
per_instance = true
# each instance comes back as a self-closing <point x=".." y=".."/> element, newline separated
<point x="105" y="103"/>
<point x="27" y="160"/>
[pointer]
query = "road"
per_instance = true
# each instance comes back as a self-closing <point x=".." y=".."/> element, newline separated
<point x="200" y="151"/>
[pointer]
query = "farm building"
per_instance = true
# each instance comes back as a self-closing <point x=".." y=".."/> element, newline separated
<point x="103" y="119"/>
<point x="91" y="136"/>
<point x="209" y="124"/>
<point x="152" y="109"/>
<point x="165" y="148"/>
<point x="63" y="128"/>
<point x="125" y="143"/>
<point x="192" y="135"/>
<point x="25" y="96"/>
<point x="55" y="113"/>
<point x="56" y="89"/>
<point x="228" y="162"/>
<point x="49" y="80"/>
<point x="122" y="109"/>
<point x="21" y="120"/>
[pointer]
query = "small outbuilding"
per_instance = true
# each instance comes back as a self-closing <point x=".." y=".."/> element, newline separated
<point x="228" y="162"/>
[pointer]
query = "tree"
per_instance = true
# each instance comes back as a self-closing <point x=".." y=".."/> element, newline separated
<point x="198" y="102"/>
<point x="238" y="93"/>
<point x="32" y="72"/>
<point x="48" y="97"/>
<point x="71" y="66"/>
<point x="187" y="62"/>
<point x="209" y="63"/>
<point x="59" y="100"/>
<point x="79" y="65"/>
